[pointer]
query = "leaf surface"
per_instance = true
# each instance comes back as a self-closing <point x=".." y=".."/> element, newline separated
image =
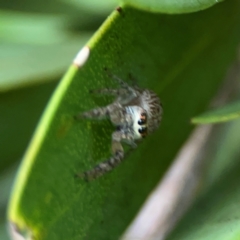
<point x="180" y="58"/>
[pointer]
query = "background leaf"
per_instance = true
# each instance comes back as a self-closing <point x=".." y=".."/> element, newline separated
<point x="216" y="215"/>
<point x="37" y="42"/>
<point x="16" y="105"/>
<point x="41" y="63"/>
<point x="152" y="50"/>
<point x="33" y="45"/>
<point x="30" y="66"/>
<point x="172" y="6"/>
<point x="224" y="114"/>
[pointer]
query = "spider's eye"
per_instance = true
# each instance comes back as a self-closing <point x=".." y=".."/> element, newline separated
<point x="141" y="122"/>
<point x="143" y="119"/>
<point x="143" y="131"/>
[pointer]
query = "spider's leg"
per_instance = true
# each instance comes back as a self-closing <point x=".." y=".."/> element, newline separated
<point x="121" y="136"/>
<point x="103" y="167"/>
<point x="110" y="91"/>
<point x="99" y="113"/>
<point x="111" y="163"/>
<point x="122" y="83"/>
<point x="129" y="94"/>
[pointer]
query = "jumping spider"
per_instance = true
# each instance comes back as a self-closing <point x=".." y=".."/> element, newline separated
<point x="135" y="113"/>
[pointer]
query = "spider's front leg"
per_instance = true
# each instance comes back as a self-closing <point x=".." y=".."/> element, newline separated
<point x="124" y="95"/>
<point x="132" y="92"/>
<point x="112" y="162"/>
<point x="99" y="113"/>
<point x="110" y="91"/>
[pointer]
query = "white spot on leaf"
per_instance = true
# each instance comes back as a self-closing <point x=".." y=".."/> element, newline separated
<point x="82" y="57"/>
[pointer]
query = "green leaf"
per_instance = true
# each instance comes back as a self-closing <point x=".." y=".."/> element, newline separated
<point x="41" y="63"/>
<point x="100" y="7"/>
<point x="25" y="91"/>
<point x="224" y="114"/>
<point x="20" y="111"/>
<point x="172" y="6"/>
<point x="3" y="231"/>
<point x="38" y="6"/>
<point x="181" y="58"/>
<point x="216" y="213"/>
<point x="31" y="28"/>
<point x="33" y="45"/>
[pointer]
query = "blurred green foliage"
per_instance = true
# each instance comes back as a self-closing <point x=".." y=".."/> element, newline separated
<point x="216" y="213"/>
<point x="38" y="40"/>
<point x="172" y="6"/>
<point x="224" y="114"/>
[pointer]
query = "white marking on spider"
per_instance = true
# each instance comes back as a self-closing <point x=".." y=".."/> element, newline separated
<point x="135" y="113"/>
<point x="82" y="57"/>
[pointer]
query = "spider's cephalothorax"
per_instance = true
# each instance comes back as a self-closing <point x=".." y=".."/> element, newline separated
<point x="135" y="113"/>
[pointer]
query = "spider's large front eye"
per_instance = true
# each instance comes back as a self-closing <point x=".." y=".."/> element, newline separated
<point x="143" y="119"/>
<point x="141" y="122"/>
<point x="143" y="131"/>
